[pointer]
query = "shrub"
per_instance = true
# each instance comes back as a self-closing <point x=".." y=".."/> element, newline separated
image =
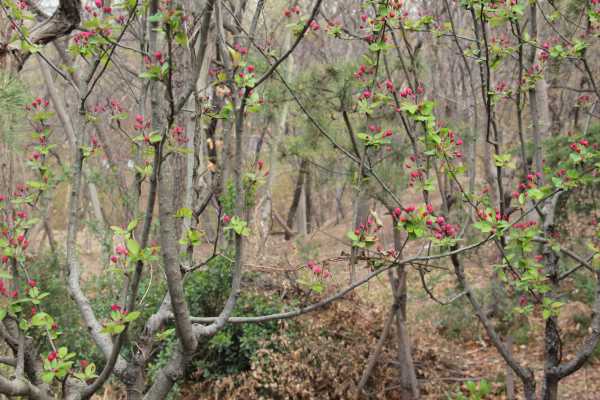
<point x="231" y="350"/>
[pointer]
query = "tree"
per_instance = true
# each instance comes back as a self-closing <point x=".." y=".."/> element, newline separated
<point x="185" y="84"/>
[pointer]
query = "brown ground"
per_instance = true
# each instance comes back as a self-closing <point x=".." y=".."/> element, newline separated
<point x="443" y="364"/>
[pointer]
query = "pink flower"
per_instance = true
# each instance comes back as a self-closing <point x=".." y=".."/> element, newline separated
<point x="98" y="3"/>
<point x="139" y="118"/>
<point x="406" y="92"/>
<point x="317" y="270"/>
<point x="115" y="307"/>
<point x="574" y="147"/>
<point x="226" y="219"/>
<point x="523" y="300"/>
<point x="250" y="68"/>
<point x="52" y="356"/>
<point x="32" y="283"/>
<point x="121" y="250"/>
<point x="113" y="259"/>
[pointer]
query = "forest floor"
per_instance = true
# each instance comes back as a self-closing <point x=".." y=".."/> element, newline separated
<point x="450" y="347"/>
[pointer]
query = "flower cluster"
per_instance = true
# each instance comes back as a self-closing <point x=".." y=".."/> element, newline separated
<point x="38" y="104"/>
<point x="289" y="11"/>
<point x="417" y="221"/>
<point x="141" y="123"/>
<point x="317" y="269"/>
<point x="177" y="132"/>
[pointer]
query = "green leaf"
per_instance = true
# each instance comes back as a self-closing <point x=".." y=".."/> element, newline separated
<point x="119" y="231"/>
<point x="184" y="213"/>
<point x="483" y="226"/>
<point x="90" y="370"/>
<point x="132" y="225"/>
<point x="41" y="319"/>
<point x="133" y="247"/>
<point x="147" y="75"/>
<point x="484" y="388"/>
<point x="536" y="194"/>
<point x="410" y="108"/>
<point x="317" y="287"/>
<point x="155" y="137"/>
<point x="181" y="38"/>
<point x="471" y="387"/>
<point x="23" y="325"/>
<point x="546" y="314"/>
<point x="156" y="17"/>
<point x="120" y="117"/>
<point x="132" y="316"/>
<point x="62" y="352"/>
<point x="502" y="160"/>
<point x="47" y="376"/>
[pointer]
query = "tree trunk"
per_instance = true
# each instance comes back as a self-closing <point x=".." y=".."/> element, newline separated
<point x="339" y="207"/>
<point x="296" y="197"/>
<point x="361" y="211"/>
<point x="408" y="376"/>
<point x="308" y="200"/>
<point x="301" y="213"/>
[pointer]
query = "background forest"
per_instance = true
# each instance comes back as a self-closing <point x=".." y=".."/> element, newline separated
<point x="308" y="199"/>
